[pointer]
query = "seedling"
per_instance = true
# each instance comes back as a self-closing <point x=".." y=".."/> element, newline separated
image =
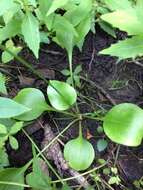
<point x="76" y="76"/>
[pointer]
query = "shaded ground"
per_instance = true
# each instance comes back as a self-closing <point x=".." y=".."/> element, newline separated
<point x="123" y="82"/>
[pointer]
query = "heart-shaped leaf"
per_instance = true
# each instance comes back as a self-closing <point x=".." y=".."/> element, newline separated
<point x="79" y="153"/>
<point x="123" y="124"/>
<point x="61" y="95"/>
<point x="9" y="108"/>
<point x="35" y="100"/>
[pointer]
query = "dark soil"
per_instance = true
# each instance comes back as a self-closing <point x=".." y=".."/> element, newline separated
<point x="103" y="70"/>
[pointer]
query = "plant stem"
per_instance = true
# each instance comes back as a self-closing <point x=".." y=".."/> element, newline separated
<point x="25" y="63"/>
<point x="44" y="158"/>
<point x="83" y="174"/>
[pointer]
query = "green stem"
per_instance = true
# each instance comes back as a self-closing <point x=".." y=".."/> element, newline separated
<point x="83" y="174"/>
<point x="44" y="158"/>
<point x="25" y="63"/>
<point x="80" y="130"/>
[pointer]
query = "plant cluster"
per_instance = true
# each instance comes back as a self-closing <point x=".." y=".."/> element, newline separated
<point x="66" y="22"/>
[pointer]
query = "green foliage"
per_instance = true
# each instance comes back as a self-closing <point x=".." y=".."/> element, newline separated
<point x="3" y="88"/>
<point x="79" y="153"/>
<point x="8" y="132"/>
<point x="33" y="99"/>
<point x="10" y="108"/>
<point x="37" y="179"/>
<point x="15" y="175"/>
<point x="31" y="33"/>
<point x="127" y="17"/>
<point x="123" y="124"/>
<point x="76" y="75"/>
<point x="6" y="57"/>
<point x="19" y="19"/>
<point x="61" y="95"/>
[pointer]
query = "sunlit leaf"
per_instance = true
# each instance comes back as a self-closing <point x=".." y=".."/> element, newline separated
<point x="79" y="154"/>
<point x="33" y="99"/>
<point x="61" y="95"/>
<point x="123" y="124"/>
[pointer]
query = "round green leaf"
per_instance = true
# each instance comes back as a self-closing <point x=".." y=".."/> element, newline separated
<point x="61" y="95"/>
<point x="9" y="108"/>
<point x="35" y="100"/>
<point x="79" y="154"/>
<point x="13" y="142"/>
<point x="123" y="124"/>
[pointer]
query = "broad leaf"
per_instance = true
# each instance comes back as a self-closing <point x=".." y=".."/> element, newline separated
<point x="8" y="15"/>
<point x="56" y="4"/>
<point x="79" y="13"/>
<point x="129" y="48"/>
<point x="5" y="5"/>
<point x="61" y="95"/>
<point x="35" y="100"/>
<point x="15" y="175"/>
<point x="65" y="33"/>
<point x="79" y="154"/>
<point x="125" y="20"/>
<point x="9" y="108"/>
<point x="11" y="29"/>
<point x="118" y="4"/>
<point x="30" y="31"/>
<point x="123" y="124"/>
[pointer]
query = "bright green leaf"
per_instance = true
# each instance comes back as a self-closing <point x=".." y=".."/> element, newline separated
<point x="30" y="31"/>
<point x="3" y="129"/>
<point x="3" y="84"/>
<point x="118" y="4"/>
<point x="61" y="95"/>
<point x="35" y="100"/>
<point x="79" y="154"/>
<point x="3" y="158"/>
<point x="129" y="48"/>
<point x="13" y="142"/>
<point x="9" y="108"/>
<point x="6" y="57"/>
<point x="15" y="128"/>
<point x="11" y="29"/>
<point x="5" y="5"/>
<point x="123" y="124"/>
<point x="125" y="20"/>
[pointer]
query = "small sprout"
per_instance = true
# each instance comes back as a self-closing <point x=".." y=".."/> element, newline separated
<point x="101" y="145"/>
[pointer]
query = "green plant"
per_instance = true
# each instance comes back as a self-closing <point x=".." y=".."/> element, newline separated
<point x="126" y="16"/>
<point x="76" y="76"/>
